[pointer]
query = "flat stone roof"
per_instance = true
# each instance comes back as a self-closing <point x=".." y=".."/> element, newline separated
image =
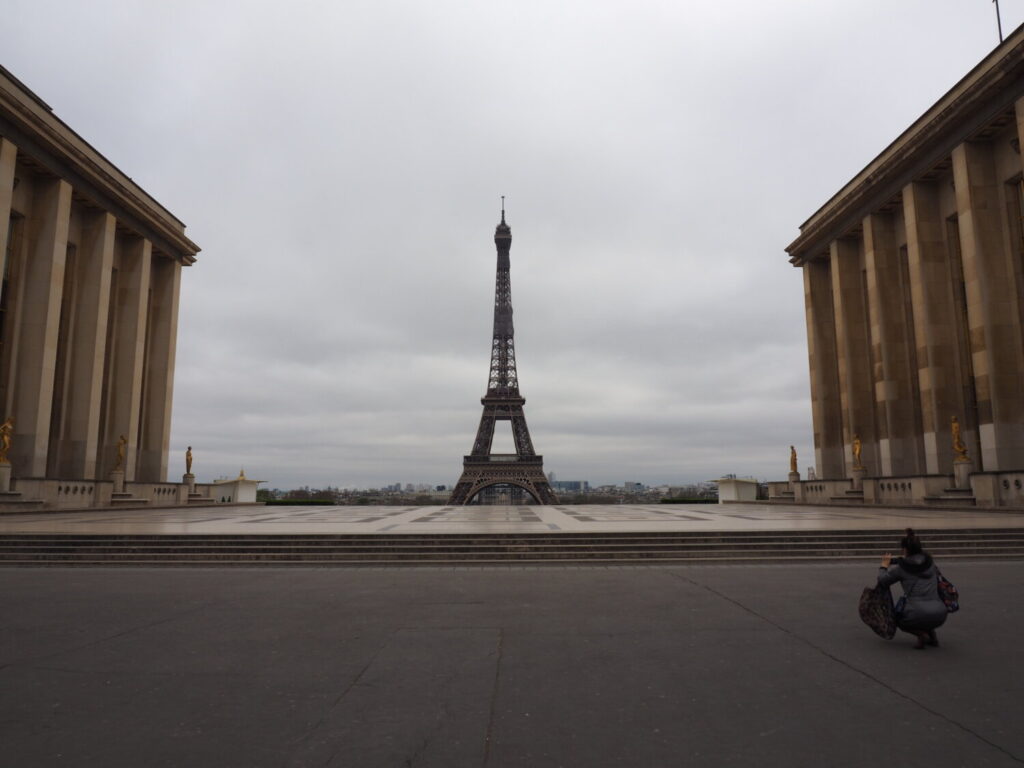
<point x="583" y="518"/>
<point x="978" y="99"/>
<point x="32" y="125"/>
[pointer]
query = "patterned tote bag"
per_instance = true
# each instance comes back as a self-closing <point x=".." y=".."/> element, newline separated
<point x="876" y="611"/>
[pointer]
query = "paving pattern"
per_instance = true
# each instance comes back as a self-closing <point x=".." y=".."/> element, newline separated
<point x="259" y="519"/>
<point x="500" y="667"/>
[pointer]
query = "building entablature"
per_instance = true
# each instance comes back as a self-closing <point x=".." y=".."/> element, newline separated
<point x="51" y="145"/>
<point x="979" y="105"/>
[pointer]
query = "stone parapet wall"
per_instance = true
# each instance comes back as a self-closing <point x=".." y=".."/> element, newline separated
<point x="999" y="489"/>
<point x="820" y="491"/>
<point x="92" y="494"/>
<point x="986" y="489"/>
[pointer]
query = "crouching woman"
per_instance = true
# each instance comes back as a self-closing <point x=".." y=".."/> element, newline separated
<point x="921" y="610"/>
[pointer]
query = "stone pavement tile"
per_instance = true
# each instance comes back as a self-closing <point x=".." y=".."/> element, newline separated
<point x="974" y="678"/>
<point x="655" y="666"/>
<point x="422" y="699"/>
<point x="53" y="716"/>
<point x="713" y="698"/>
<point x="693" y="518"/>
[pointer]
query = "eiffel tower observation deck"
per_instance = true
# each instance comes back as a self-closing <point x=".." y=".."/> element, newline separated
<point x="502" y="476"/>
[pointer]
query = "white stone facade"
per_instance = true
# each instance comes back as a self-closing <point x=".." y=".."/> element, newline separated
<point x="914" y="287"/>
<point x="91" y="269"/>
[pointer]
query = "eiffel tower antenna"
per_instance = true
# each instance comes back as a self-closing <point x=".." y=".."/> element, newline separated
<point x="523" y="469"/>
<point x="999" y="23"/>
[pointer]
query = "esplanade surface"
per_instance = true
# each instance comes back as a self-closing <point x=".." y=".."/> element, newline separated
<point x="625" y="518"/>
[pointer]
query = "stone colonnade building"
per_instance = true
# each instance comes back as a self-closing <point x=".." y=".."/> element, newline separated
<point x="914" y="286"/>
<point x="91" y="270"/>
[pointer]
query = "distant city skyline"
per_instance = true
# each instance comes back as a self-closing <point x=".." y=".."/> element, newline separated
<point x="342" y="169"/>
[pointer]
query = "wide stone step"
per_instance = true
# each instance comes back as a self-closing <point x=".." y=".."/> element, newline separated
<point x="468" y="549"/>
<point x="264" y="546"/>
<point x="476" y="555"/>
<point x="786" y="535"/>
<point x="413" y="562"/>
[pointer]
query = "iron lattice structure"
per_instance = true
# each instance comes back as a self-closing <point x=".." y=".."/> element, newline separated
<point x="523" y="469"/>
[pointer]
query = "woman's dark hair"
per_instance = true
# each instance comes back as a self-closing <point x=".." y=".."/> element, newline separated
<point x="911" y="543"/>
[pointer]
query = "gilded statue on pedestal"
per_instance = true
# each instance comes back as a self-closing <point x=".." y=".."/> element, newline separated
<point x="5" y="439"/>
<point x="792" y="459"/>
<point x="857" y="446"/>
<point x="959" y="449"/>
<point x="122" y="444"/>
<point x="188" y="461"/>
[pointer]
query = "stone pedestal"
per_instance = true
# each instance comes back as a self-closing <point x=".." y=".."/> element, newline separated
<point x="5" y="478"/>
<point x="962" y="473"/>
<point x="189" y="480"/>
<point x="858" y="474"/>
<point x="794" y="478"/>
<point x="117" y="477"/>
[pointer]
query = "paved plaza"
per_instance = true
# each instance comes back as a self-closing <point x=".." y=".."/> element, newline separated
<point x="499" y="666"/>
<point x="642" y="518"/>
<point x="503" y="665"/>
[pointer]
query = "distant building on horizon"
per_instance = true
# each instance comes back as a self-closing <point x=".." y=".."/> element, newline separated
<point x="570" y="486"/>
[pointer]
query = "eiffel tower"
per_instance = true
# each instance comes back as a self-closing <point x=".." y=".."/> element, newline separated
<point x="523" y="469"/>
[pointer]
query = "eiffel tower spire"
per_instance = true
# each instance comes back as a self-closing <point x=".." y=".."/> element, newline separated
<point x="524" y="469"/>
<point x="503" y="379"/>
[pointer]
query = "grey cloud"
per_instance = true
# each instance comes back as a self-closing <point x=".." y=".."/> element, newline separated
<point x="341" y="164"/>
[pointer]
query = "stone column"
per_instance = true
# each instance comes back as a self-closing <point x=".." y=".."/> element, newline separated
<point x="821" y="348"/>
<point x="40" y="319"/>
<point x="897" y="401"/>
<point x="8" y="159"/>
<point x="156" y="406"/>
<point x="124" y="388"/>
<point x="992" y="308"/>
<point x="941" y="373"/>
<point x="854" y="353"/>
<point x="95" y="257"/>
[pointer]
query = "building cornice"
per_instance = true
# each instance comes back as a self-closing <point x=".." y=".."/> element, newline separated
<point x="979" y="97"/>
<point x="30" y="124"/>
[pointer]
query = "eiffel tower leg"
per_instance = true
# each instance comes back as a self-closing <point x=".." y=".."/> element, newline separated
<point x="484" y="433"/>
<point x="460" y="495"/>
<point x="524" y="445"/>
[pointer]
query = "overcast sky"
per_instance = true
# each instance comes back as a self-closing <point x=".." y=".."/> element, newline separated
<point x="340" y="164"/>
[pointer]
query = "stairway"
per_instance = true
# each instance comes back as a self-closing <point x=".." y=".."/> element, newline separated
<point x="386" y="550"/>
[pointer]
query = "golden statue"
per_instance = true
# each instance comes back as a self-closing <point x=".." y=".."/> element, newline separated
<point x="792" y="459"/>
<point x="959" y="449"/>
<point x="188" y="461"/>
<point x="5" y="439"/>
<point x="122" y="444"/>
<point x="856" y="452"/>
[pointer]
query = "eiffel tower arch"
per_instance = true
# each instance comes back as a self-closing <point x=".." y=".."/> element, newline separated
<point x="523" y="469"/>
